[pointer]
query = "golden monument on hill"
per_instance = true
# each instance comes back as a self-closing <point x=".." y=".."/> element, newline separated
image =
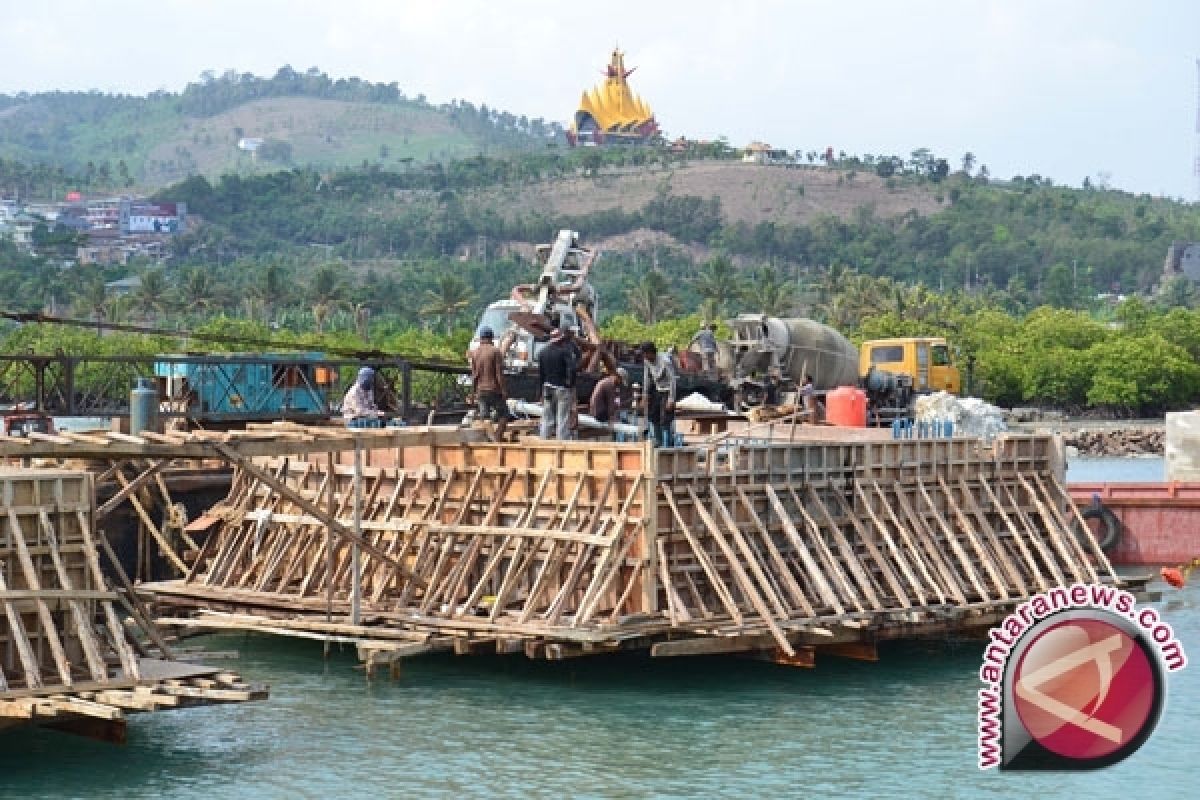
<point x="611" y="113"/>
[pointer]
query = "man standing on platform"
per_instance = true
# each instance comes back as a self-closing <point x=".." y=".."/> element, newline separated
<point x="487" y="375"/>
<point x="556" y="374"/>
<point x="706" y="340"/>
<point x="658" y="382"/>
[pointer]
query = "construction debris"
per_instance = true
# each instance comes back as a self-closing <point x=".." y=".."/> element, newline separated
<point x="970" y="415"/>
<point x="1115" y="442"/>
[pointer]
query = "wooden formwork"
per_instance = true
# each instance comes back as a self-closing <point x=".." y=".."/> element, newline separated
<point x="65" y="652"/>
<point x="554" y="548"/>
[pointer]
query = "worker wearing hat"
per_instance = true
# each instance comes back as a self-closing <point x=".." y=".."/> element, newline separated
<point x="556" y="375"/>
<point x="487" y="376"/>
<point x="605" y="403"/>
<point x="358" y="405"/>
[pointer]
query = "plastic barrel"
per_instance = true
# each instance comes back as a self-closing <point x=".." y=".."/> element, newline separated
<point x="846" y="406"/>
<point x="143" y="406"/>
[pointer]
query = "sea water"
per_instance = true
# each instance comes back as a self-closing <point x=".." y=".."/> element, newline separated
<point x="606" y="727"/>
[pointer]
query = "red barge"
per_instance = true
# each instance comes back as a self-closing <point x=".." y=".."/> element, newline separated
<point x="1143" y="523"/>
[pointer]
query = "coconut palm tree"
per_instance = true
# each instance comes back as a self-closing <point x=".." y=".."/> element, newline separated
<point x="650" y="298"/>
<point x="717" y="280"/>
<point x="200" y="292"/>
<point x="153" y="295"/>
<point x="447" y="300"/>
<point x="326" y="294"/>
<point x="269" y="288"/>
<point x="91" y="297"/>
<point x="768" y="293"/>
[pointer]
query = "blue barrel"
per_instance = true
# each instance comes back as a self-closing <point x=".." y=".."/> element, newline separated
<point x="143" y="406"/>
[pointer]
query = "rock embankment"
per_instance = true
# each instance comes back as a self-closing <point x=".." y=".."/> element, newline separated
<point x="1116" y="442"/>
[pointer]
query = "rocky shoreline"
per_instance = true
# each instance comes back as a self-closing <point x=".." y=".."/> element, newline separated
<point x="1115" y="442"/>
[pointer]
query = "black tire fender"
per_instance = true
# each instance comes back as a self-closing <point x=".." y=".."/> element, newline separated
<point x="1110" y="526"/>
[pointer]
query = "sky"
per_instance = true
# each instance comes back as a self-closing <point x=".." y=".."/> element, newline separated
<point x="1065" y="89"/>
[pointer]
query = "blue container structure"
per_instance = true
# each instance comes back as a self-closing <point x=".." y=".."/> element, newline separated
<point x="249" y="386"/>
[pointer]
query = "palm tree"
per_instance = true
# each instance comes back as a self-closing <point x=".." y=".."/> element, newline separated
<point x="199" y="290"/>
<point x="447" y="299"/>
<point x="767" y="293"/>
<point x="269" y="288"/>
<point x="152" y="296"/>
<point x="92" y="296"/>
<point x="717" y="280"/>
<point x="650" y="298"/>
<point x="326" y="294"/>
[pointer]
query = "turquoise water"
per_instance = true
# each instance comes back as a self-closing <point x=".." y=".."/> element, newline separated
<point x="1135" y="470"/>
<point x="627" y="727"/>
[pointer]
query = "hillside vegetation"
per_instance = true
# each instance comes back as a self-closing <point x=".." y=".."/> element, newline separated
<point x="306" y="119"/>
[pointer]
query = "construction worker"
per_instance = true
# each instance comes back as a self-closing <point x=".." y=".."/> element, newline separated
<point x="658" y="401"/>
<point x="556" y="375"/>
<point x="606" y="397"/>
<point x="358" y="406"/>
<point x="706" y="340"/>
<point x="487" y="375"/>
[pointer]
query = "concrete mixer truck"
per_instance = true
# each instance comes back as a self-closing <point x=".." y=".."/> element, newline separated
<point x="768" y="357"/>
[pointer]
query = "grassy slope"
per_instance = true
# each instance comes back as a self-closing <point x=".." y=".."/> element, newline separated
<point x="161" y="145"/>
<point x="750" y="193"/>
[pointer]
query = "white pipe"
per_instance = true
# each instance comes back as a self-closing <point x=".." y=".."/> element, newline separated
<point x="528" y="409"/>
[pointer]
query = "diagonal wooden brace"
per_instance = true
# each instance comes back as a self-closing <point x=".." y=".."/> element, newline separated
<point x="312" y="508"/>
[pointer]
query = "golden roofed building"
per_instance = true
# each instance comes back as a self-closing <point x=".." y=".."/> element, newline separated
<point x="611" y="113"/>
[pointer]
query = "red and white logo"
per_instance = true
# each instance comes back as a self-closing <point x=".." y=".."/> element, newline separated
<point x="1084" y="689"/>
<point x="1074" y="679"/>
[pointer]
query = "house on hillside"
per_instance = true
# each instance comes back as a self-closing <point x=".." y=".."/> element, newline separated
<point x="762" y="153"/>
<point x="1183" y="258"/>
<point x="146" y="217"/>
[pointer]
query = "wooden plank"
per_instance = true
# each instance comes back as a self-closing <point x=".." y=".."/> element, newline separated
<point x="164" y="545"/>
<point x="701" y="557"/>
<point x="897" y="555"/>
<point x="849" y="556"/>
<point x="815" y="576"/>
<point x="1009" y="568"/>
<point x="749" y="589"/>
<point x="309" y="507"/>
<point x="1031" y="532"/>
<point x="881" y="563"/>
<point x="1077" y="516"/>
<point x="1027" y="557"/>
<point x="925" y="536"/>
<point x="969" y="533"/>
<point x="49" y="630"/>
<point x="128" y="487"/>
<point x="964" y="561"/>
<point x="782" y="569"/>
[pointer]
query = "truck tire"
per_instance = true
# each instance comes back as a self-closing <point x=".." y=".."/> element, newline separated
<point x="1109" y="535"/>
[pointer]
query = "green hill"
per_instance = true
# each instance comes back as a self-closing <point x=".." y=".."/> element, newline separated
<point x="304" y="119"/>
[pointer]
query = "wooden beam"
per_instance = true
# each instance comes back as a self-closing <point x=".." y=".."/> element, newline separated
<point x="312" y="508"/>
<point x="129" y="487"/>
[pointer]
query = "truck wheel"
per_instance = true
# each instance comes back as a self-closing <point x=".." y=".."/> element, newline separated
<point x="1109" y="534"/>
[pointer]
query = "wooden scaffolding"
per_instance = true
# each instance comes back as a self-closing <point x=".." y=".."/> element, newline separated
<point x="557" y="549"/>
<point x="73" y="652"/>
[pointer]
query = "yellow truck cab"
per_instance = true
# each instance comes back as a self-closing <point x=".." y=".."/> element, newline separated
<point x="926" y="358"/>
